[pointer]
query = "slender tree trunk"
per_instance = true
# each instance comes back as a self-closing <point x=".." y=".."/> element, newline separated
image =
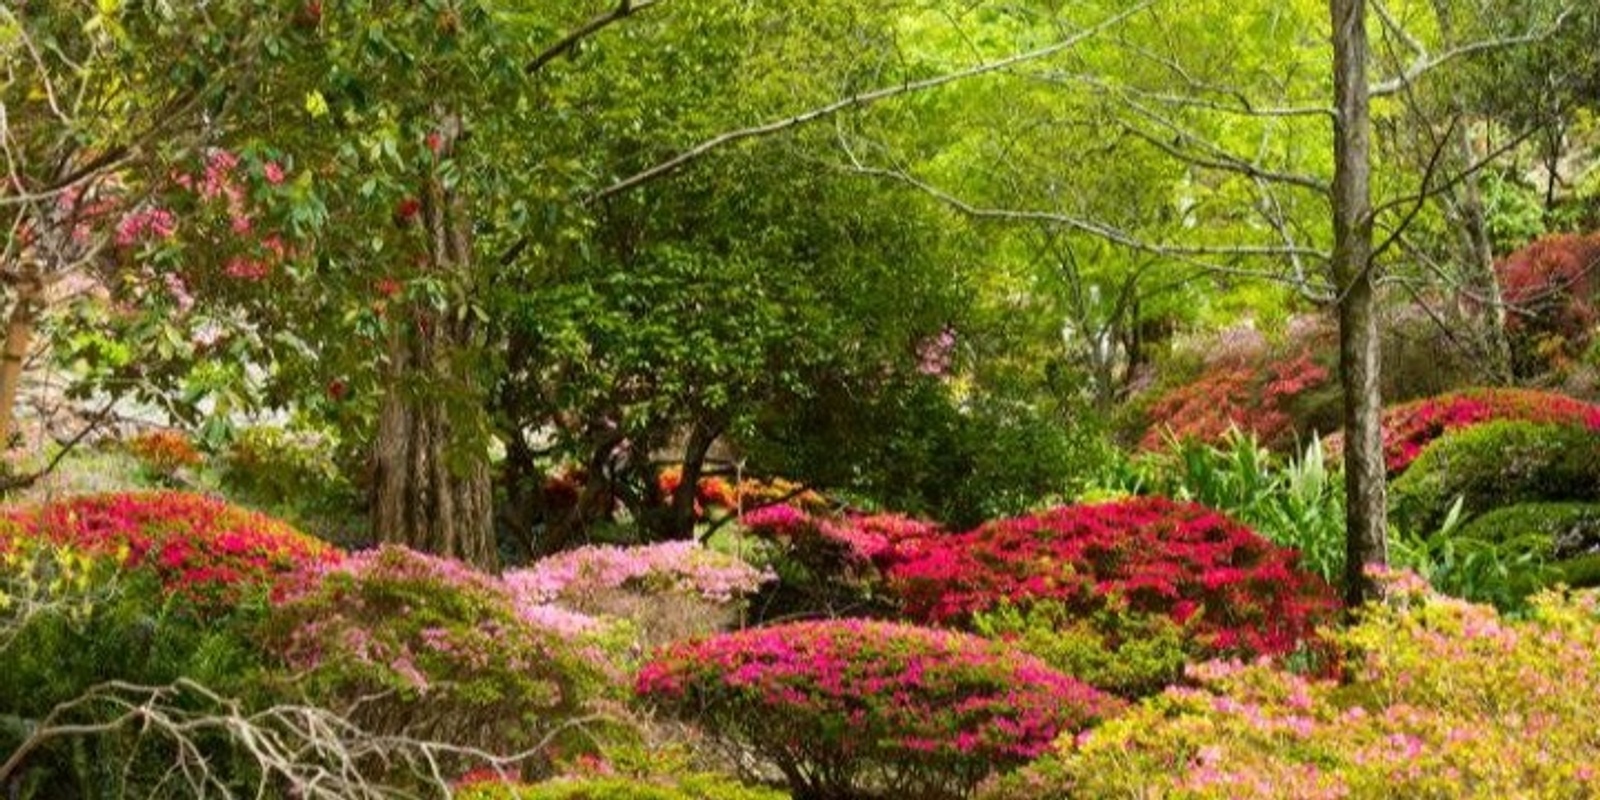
<point x="1366" y="524"/>
<point x="14" y="355"/>
<point x="432" y="489"/>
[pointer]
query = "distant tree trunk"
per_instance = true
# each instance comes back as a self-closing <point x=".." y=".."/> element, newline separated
<point x="432" y="489"/>
<point x="20" y="328"/>
<point x="1366" y="524"/>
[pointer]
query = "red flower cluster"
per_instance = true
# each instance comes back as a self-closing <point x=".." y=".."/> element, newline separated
<point x="830" y="701"/>
<point x="1235" y="394"/>
<point x="1409" y="428"/>
<point x="202" y="548"/>
<point x="1236" y="593"/>
<point x="877" y="539"/>
<point x="1549" y="286"/>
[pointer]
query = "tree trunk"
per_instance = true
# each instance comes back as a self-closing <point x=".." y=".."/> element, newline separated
<point x="432" y="489"/>
<point x="1366" y="524"/>
<point x="14" y="355"/>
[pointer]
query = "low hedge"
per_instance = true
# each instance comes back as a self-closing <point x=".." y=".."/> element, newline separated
<point x="1497" y="465"/>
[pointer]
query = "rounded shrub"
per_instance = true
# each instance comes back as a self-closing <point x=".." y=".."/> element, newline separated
<point x="1496" y="465"/>
<point x="410" y="644"/>
<point x="1444" y="699"/>
<point x="1565" y="534"/>
<point x="1233" y="591"/>
<point x="200" y="547"/>
<point x="852" y="708"/>
<point x="1409" y="428"/>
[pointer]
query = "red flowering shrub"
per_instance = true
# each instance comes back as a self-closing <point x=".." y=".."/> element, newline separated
<point x="1249" y="394"/>
<point x="200" y="547"/>
<point x="847" y="707"/>
<point x="1549" y="288"/>
<point x="1233" y="591"/>
<point x="1408" y="429"/>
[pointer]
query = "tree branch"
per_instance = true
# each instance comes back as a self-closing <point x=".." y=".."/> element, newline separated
<point x="623" y="10"/>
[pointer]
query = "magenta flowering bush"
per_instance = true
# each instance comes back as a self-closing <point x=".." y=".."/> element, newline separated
<point x="416" y="645"/>
<point x="1443" y="699"/>
<point x="853" y="708"/>
<point x="685" y="567"/>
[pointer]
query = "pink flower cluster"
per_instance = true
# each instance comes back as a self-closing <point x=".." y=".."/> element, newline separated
<point x="831" y="699"/>
<point x="1409" y="428"/>
<point x="876" y="539"/>
<point x="1233" y="590"/>
<point x="200" y="547"/>
<point x="671" y="566"/>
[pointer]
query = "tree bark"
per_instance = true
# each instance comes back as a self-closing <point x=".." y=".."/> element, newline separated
<point x="432" y="490"/>
<point x="1366" y="523"/>
<point x="20" y="328"/>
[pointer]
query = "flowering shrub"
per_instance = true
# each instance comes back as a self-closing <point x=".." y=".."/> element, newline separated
<point x="415" y="645"/>
<point x="202" y="548"/>
<point x="1234" y="591"/>
<point x="1446" y="699"/>
<point x="1549" y="289"/>
<point x="714" y="493"/>
<point x="163" y="452"/>
<point x="690" y="787"/>
<point x="830" y="564"/>
<point x="1409" y="428"/>
<point x="683" y="567"/>
<point x="1252" y="395"/>
<point x="1495" y="465"/>
<point x="848" y="706"/>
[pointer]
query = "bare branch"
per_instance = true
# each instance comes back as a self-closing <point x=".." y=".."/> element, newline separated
<point x="623" y="10"/>
<point x="1425" y="63"/>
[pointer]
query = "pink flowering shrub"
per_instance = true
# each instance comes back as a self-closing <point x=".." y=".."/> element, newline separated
<point x="1254" y="394"/>
<point x="1409" y="428"/>
<point x="1444" y="699"/>
<point x="202" y="548"/>
<point x="684" y="567"/>
<point x="1233" y="591"/>
<point x="851" y="708"/>
<point x="411" y="644"/>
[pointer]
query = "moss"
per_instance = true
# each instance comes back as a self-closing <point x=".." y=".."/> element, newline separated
<point x="1497" y="465"/>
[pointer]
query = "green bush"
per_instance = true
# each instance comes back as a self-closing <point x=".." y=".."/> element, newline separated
<point x="298" y="477"/>
<point x="1119" y="651"/>
<point x="1567" y="535"/>
<point x="1496" y="465"/>
<point x="691" y="787"/>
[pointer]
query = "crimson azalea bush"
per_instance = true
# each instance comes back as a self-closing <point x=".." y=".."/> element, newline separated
<point x="1252" y="395"/>
<point x="416" y="645"/>
<point x="852" y="708"/>
<point x="1233" y="591"/>
<point x="1549" y="289"/>
<point x="1444" y="699"/>
<point x="1409" y="428"/>
<point x="200" y="547"/>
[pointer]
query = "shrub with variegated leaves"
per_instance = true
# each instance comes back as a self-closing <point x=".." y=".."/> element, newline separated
<point x="851" y="708"/>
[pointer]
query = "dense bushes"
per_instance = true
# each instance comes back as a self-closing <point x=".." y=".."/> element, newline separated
<point x="414" y="645"/>
<point x="829" y="564"/>
<point x="1549" y="289"/>
<point x="693" y="787"/>
<point x="1254" y="394"/>
<point x="1496" y="465"/>
<point x="1409" y="428"/>
<point x="1232" y="590"/>
<point x="200" y="547"/>
<point x="1444" y="699"/>
<point x="867" y="709"/>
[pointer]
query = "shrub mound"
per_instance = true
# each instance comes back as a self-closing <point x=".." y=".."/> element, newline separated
<point x="1235" y="592"/>
<point x="684" y="567"/>
<point x="1446" y="699"/>
<point x="1565" y="533"/>
<point x="1255" y="395"/>
<point x="1495" y="465"/>
<point x="415" y="645"/>
<point x="1409" y="428"/>
<point x="1549" y="287"/>
<point x="851" y="708"/>
<point x="200" y="547"/>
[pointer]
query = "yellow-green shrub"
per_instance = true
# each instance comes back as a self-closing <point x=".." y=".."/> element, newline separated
<point x="1444" y="699"/>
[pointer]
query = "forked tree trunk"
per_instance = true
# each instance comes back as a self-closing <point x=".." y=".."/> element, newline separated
<point x="1366" y="523"/>
<point x="431" y="487"/>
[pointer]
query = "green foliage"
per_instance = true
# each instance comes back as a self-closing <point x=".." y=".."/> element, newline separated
<point x="297" y="476"/>
<point x="1124" y="653"/>
<point x="1496" y="465"/>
